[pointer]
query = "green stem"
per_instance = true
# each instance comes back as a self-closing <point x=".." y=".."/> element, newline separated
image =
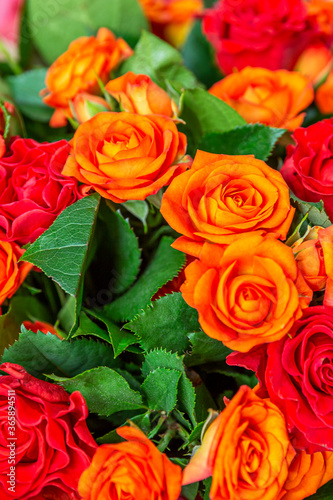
<point x="15" y="67"/>
<point x="164" y="443"/>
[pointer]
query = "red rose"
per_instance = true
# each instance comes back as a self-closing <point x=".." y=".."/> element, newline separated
<point x="267" y="33"/>
<point x="308" y="169"/>
<point x="53" y="445"/>
<point x="32" y="190"/>
<point x="296" y="373"/>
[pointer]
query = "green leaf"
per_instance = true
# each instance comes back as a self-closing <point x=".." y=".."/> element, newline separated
<point x="118" y="257"/>
<point x="165" y="324"/>
<point x="316" y="213"/>
<point x="160" y="389"/>
<point x="199" y="56"/>
<point x="157" y="59"/>
<point x="120" y="339"/>
<point x="159" y="358"/>
<point x="163" y="267"/>
<point x="25" y="90"/>
<point x="88" y="327"/>
<point x="257" y="140"/>
<point x="190" y="491"/>
<point x="205" y="350"/>
<point x="55" y="24"/>
<point x="20" y="309"/>
<point x="45" y="354"/>
<point x="207" y="484"/>
<point x="203" y="402"/>
<point x="105" y="391"/>
<point x="140" y="210"/>
<point x="205" y="113"/>
<point x="324" y="493"/>
<point x="61" y="250"/>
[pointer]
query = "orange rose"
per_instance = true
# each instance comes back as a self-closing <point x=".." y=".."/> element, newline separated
<point x="135" y="470"/>
<point x="223" y="198"/>
<point x="85" y="106"/>
<point x="12" y="272"/>
<point x="324" y="96"/>
<point x="171" y="19"/>
<point x="274" y="98"/>
<point x="246" y="449"/>
<point x="78" y="70"/>
<point x="314" y="257"/>
<point x="125" y="156"/>
<point x="246" y="294"/>
<point x="139" y="94"/>
<point x="307" y="472"/>
<point x="315" y="62"/>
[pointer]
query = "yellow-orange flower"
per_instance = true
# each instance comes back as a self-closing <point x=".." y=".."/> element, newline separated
<point x="135" y="470"/>
<point x="125" y="156"/>
<point x="315" y="62"/>
<point x="246" y="449"/>
<point x="139" y="94"/>
<point x="171" y="19"/>
<point x="314" y="257"/>
<point x="78" y="69"/>
<point x="246" y="294"/>
<point x="307" y="472"/>
<point x="274" y="98"/>
<point x="223" y="198"/>
<point x="12" y="272"/>
<point x="324" y="96"/>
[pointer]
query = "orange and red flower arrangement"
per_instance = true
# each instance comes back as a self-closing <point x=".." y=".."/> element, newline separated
<point x="208" y="370"/>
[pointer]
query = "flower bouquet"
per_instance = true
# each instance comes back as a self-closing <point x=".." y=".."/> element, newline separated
<point x="166" y="250"/>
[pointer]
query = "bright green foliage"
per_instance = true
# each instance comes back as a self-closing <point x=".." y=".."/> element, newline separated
<point x="160" y="61"/>
<point x="205" y="350"/>
<point x="121" y="256"/>
<point x="46" y="354"/>
<point x="164" y="266"/>
<point x="159" y="358"/>
<point x="105" y="391"/>
<point x="257" y="140"/>
<point x="166" y="324"/>
<point x="120" y="339"/>
<point x="160" y="389"/>
<point x="61" y="250"/>
<point x="205" y="113"/>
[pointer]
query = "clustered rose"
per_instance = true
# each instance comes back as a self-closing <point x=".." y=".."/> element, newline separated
<point x="241" y="453"/>
<point x="53" y="445"/>
<point x="32" y="189"/>
<point x="296" y="374"/>
<point x="222" y="198"/>
<point x="134" y="469"/>
<point x="308" y="167"/>
<point x="125" y="156"/>
<point x="275" y="98"/>
<point x="78" y="69"/>
<point x="269" y="34"/>
<point x="246" y="294"/>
